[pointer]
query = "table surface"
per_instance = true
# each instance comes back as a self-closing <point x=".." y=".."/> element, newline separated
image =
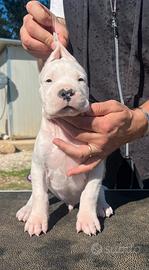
<point x="122" y="244"/>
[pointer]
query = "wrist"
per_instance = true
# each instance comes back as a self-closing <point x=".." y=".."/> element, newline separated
<point x="140" y="123"/>
<point x="146" y="115"/>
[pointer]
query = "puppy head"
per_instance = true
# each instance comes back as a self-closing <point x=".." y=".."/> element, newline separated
<point x="63" y="85"/>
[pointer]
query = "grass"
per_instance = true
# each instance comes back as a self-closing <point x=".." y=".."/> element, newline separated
<point x="14" y="180"/>
<point x="21" y="173"/>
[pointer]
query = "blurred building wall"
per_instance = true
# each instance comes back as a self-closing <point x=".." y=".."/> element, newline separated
<point x="19" y="101"/>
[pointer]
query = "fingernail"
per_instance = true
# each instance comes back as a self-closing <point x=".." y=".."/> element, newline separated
<point x="69" y="174"/>
<point x="55" y="141"/>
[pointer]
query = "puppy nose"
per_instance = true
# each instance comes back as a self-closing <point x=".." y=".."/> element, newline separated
<point x="66" y="94"/>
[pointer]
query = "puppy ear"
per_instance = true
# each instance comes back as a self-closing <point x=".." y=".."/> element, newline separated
<point x="66" y="54"/>
<point x="60" y="52"/>
<point x="56" y="54"/>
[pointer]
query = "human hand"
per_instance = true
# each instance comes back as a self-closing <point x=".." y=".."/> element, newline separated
<point x="105" y="128"/>
<point x="37" y="29"/>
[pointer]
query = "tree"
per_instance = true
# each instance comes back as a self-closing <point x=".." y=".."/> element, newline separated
<point x="12" y="13"/>
<point x="4" y="28"/>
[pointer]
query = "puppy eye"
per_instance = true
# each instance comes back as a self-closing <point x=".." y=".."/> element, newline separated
<point x="81" y="80"/>
<point x="48" y="80"/>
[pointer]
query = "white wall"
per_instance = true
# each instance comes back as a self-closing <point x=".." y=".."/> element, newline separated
<point x="3" y="95"/>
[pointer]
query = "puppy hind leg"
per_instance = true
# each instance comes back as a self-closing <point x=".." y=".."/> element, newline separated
<point x="103" y="208"/>
<point x="70" y="207"/>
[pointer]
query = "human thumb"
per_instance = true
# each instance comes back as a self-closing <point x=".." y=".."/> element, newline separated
<point x="103" y="108"/>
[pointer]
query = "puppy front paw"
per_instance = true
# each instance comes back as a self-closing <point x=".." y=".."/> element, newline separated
<point x="88" y="222"/>
<point x="36" y="223"/>
<point x="24" y="212"/>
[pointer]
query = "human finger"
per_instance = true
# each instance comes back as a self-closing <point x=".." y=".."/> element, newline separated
<point x="77" y="133"/>
<point x="80" y="153"/>
<point x="37" y="32"/>
<point x="85" y="167"/>
<point x="33" y="45"/>
<point x="83" y="122"/>
<point x="40" y="13"/>
<point x="106" y="107"/>
<point x="87" y="123"/>
<point x="94" y="124"/>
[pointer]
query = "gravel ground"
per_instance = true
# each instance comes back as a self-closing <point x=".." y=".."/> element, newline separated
<point x="16" y="161"/>
<point x="14" y="169"/>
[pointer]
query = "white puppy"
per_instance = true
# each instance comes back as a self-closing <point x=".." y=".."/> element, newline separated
<point x="64" y="92"/>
